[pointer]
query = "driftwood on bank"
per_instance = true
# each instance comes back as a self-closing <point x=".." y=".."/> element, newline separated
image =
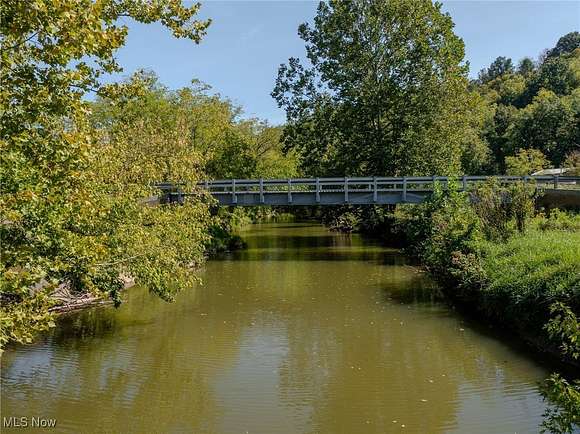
<point x="67" y="300"/>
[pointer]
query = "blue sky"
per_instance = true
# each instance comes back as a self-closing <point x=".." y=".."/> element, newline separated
<point x="247" y="41"/>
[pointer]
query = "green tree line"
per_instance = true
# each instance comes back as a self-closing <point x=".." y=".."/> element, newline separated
<point x="74" y="172"/>
<point x="385" y="91"/>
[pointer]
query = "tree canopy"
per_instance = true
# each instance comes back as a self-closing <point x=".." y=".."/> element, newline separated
<point x="536" y="107"/>
<point x="384" y="91"/>
<point x="64" y="220"/>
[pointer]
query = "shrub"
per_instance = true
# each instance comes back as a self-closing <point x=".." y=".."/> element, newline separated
<point x="572" y="163"/>
<point x="502" y="209"/>
<point x="558" y="220"/>
<point x="526" y="162"/>
<point x="564" y="397"/>
<point x="442" y="232"/>
<point x="563" y="415"/>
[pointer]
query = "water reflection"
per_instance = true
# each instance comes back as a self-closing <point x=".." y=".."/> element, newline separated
<point x="305" y="332"/>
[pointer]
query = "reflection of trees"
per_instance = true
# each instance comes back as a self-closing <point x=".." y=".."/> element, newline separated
<point x="344" y="359"/>
<point x="351" y="361"/>
<point x="146" y="368"/>
<point x="363" y="369"/>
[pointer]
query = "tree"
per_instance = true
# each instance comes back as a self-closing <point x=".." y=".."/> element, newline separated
<point x="526" y="67"/>
<point x="65" y="218"/>
<point x="549" y="124"/>
<point x="535" y="108"/>
<point x="386" y="92"/>
<point x="572" y="162"/>
<point x="500" y="66"/>
<point x="566" y="44"/>
<point x="560" y="75"/>
<point x="496" y="134"/>
<point x="526" y="162"/>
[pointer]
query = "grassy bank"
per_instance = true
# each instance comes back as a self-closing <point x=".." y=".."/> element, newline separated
<point x="510" y="264"/>
<point x="526" y="275"/>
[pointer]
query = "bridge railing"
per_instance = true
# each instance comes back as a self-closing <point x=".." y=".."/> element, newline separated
<point x="372" y="188"/>
<point x="371" y="184"/>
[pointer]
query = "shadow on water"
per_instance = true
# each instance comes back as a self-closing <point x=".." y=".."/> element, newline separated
<point x="263" y="227"/>
<point x="425" y="293"/>
<point x="313" y="255"/>
<point x="305" y="331"/>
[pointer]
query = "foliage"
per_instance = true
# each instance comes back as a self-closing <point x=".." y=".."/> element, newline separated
<point x="572" y="163"/>
<point x="566" y="44"/>
<point x="386" y="92"/>
<point x="475" y="248"/>
<point x="558" y="220"/>
<point x="527" y="273"/>
<point x="500" y="66"/>
<point x="179" y="135"/>
<point x="564" y="413"/>
<point x="526" y="162"/>
<point x="189" y="130"/>
<point x="534" y="108"/>
<point x="526" y="67"/>
<point x="66" y="218"/>
<point x="549" y="124"/>
<point x="501" y="209"/>
<point x="564" y="326"/>
<point x="442" y="232"/>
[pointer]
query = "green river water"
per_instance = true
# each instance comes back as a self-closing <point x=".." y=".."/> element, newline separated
<point x="306" y="331"/>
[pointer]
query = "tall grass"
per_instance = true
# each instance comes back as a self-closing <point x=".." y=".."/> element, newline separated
<point x="529" y="272"/>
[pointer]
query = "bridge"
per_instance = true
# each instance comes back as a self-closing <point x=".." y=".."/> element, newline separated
<point x="343" y="191"/>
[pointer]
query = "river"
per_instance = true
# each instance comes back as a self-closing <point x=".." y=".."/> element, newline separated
<point x="306" y="331"/>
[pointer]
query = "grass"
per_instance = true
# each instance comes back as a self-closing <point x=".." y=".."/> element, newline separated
<point x="526" y="274"/>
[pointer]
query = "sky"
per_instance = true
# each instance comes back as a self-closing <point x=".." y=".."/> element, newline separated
<point x="247" y="41"/>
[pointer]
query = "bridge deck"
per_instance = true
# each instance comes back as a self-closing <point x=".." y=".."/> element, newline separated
<point x="341" y="191"/>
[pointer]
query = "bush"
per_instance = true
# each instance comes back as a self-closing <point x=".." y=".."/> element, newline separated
<point x="526" y="162"/>
<point x="564" y="397"/>
<point x="563" y="415"/>
<point x="442" y="232"/>
<point x="503" y="209"/>
<point x="558" y="220"/>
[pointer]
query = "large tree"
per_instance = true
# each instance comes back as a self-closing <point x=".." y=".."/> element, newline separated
<point x="63" y="221"/>
<point x="384" y="91"/>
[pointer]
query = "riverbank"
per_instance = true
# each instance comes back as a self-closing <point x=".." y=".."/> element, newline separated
<point x="222" y="239"/>
<point x="526" y="280"/>
<point x="306" y="330"/>
<point x="509" y="265"/>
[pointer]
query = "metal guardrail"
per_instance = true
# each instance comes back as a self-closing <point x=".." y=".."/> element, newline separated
<point x="331" y="191"/>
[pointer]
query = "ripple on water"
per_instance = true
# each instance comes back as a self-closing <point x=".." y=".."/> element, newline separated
<point x="306" y="331"/>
